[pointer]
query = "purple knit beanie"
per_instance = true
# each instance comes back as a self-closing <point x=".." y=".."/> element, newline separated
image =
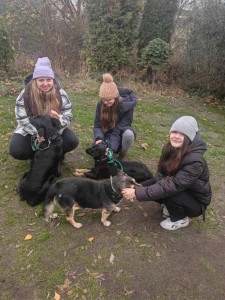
<point x="43" y="68"/>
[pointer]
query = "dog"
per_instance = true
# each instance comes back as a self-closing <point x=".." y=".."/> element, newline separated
<point x="73" y="193"/>
<point x="106" y="166"/>
<point x="34" y="184"/>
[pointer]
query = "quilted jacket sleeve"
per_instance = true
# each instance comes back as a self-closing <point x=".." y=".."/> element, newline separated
<point x="170" y="186"/>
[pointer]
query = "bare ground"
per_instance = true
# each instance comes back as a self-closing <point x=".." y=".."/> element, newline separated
<point x="134" y="258"/>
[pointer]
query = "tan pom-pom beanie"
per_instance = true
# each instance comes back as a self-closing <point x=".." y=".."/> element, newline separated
<point x="108" y="89"/>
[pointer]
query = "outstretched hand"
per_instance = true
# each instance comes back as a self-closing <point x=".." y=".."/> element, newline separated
<point x="128" y="193"/>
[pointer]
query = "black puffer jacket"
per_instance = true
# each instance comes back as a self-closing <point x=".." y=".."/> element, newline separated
<point x="192" y="176"/>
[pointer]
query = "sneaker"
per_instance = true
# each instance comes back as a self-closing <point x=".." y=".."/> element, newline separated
<point x="165" y="211"/>
<point x="169" y="225"/>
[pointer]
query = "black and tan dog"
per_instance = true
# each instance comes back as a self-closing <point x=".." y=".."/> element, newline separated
<point x="105" y="166"/>
<point x="34" y="184"/>
<point x="73" y="193"/>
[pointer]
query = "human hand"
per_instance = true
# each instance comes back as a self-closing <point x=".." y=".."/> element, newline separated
<point x="54" y="114"/>
<point x="128" y="193"/>
<point x="40" y="139"/>
<point x="98" y="142"/>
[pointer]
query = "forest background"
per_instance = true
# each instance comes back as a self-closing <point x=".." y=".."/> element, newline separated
<point x="164" y="41"/>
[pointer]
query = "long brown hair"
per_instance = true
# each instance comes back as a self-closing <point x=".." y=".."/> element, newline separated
<point x="39" y="103"/>
<point x="172" y="157"/>
<point x="109" y="116"/>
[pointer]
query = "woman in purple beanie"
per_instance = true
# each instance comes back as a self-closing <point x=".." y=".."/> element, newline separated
<point x="182" y="182"/>
<point x="41" y="96"/>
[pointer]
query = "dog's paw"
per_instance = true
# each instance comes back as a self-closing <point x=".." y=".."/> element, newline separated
<point x="106" y="223"/>
<point x="117" y="209"/>
<point x="78" y="225"/>
<point x="53" y="216"/>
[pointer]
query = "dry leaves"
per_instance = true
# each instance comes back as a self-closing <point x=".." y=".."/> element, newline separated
<point x="144" y="146"/>
<point x="28" y="237"/>
<point x="57" y="296"/>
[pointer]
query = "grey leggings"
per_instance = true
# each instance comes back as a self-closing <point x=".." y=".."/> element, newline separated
<point x="127" y="140"/>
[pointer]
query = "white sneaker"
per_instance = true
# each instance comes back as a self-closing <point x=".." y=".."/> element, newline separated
<point x="169" y="225"/>
<point x="165" y="211"/>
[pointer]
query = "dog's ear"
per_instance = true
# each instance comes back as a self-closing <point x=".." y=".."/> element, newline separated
<point x="121" y="173"/>
<point x="56" y="122"/>
<point x="41" y="131"/>
<point x="88" y="150"/>
<point x="35" y="121"/>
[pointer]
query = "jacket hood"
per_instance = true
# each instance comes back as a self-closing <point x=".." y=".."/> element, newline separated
<point x="198" y="145"/>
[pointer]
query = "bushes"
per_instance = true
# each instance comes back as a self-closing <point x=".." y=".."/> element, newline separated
<point x="155" y="57"/>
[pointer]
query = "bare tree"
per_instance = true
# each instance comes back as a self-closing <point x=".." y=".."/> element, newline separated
<point x="47" y="27"/>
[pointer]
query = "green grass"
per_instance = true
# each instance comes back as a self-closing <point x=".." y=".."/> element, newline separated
<point x="57" y="250"/>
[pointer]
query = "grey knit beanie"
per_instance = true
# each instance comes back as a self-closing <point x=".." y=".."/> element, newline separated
<point x="186" y="125"/>
<point x="43" y="68"/>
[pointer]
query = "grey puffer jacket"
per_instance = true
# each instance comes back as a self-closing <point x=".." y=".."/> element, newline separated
<point x="192" y="176"/>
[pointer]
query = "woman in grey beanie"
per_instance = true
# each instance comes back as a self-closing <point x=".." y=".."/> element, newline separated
<point x="182" y="181"/>
<point x="42" y="95"/>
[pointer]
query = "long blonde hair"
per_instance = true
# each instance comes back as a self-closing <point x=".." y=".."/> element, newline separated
<point x="44" y="102"/>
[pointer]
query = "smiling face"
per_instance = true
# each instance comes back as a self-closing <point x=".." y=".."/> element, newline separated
<point x="176" y="139"/>
<point x="44" y="84"/>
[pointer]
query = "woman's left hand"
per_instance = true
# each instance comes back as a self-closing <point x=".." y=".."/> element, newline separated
<point x="54" y="114"/>
<point x="128" y="193"/>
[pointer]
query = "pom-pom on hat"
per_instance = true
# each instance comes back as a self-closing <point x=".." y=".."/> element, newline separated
<point x="43" y="68"/>
<point x="186" y="125"/>
<point x="108" y="89"/>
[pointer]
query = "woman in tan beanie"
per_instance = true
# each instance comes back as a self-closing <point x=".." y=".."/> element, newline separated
<point x="114" y="116"/>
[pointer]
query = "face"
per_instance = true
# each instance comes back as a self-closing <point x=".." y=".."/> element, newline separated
<point x="109" y="103"/>
<point x="44" y="84"/>
<point x="176" y="139"/>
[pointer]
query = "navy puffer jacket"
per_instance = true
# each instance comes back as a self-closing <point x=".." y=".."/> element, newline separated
<point x="192" y="176"/>
<point x="128" y="101"/>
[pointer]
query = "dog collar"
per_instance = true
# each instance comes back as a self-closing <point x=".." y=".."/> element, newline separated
<point x="35" y="145"/>
<point x="115" y="194"/>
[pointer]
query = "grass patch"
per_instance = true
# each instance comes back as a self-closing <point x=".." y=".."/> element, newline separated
<point x="57" y="249"/>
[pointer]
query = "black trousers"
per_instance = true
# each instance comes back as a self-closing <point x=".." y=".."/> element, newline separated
<point x="20" y="146"/>
<point x="180" y="205"/>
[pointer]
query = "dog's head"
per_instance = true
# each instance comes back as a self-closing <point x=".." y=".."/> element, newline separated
<point x="122" y="181"/>
<point x="97" y="151"/>
<point x="46" y="126"/>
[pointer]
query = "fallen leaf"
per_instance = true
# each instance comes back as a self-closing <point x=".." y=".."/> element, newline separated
<point x="144" y="146"/>
<point x="57" y="296"/>
<point x="28" y="237"/>
<point x="81" y="214"/>
<point x="65" y="286"/>
<point x="111" y="259"/>
<point x="158" y="254"/>
<point x="91" y="239"/>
